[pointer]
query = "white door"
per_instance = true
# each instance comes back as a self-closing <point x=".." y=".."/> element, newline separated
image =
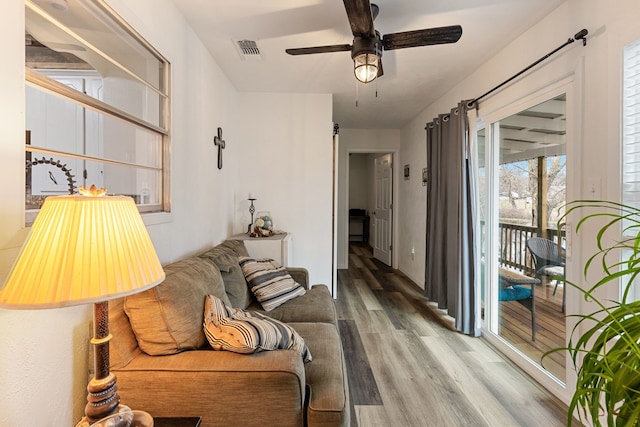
<point x="382" y="214"/>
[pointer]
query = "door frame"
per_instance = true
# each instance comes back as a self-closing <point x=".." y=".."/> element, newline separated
<point x="570" y="85"/>
<point x="395" y="156"/>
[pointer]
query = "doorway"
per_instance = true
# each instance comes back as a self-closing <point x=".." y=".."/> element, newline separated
<point x="370" y="195"/>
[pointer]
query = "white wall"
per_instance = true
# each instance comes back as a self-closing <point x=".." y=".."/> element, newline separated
<point x="359" y="181"/>
<point x="286" y="160"/>
<point x="412" y="207"/>
<point x="595" y="70"/>
<point x="361" y="141"/>
<point x="533" y="44"/>
<point x="40" y="350"/>
<point x="202" y="99"/>
<point x="283" y="154"/>
<point x="361" y="184"/>
<point x="44" y="356"/>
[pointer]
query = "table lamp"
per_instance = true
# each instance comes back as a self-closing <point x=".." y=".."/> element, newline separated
<point x="85" y="248"/>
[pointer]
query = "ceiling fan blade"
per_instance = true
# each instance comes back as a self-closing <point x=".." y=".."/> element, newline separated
<point x="319" y="49"/>
<point x="360" y="17"/>
<point x="380" y="70"/>
<point x="429" y="36"/>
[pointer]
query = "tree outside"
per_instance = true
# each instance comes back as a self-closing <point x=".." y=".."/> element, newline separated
<point x="518" y="191"/>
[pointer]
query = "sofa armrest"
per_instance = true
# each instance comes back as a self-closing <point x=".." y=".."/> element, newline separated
<point x="218" y="385"/>
<point x="300" y="275"/>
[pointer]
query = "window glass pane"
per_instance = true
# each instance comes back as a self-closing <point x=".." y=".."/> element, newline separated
<point x="144" y="185"/>
<point x="48" y="175"/>
<point x="127" y="143"/>
<point x="631" y="125"/>
<point x="96" y="105"/>
<point x="78" y="39"/>
<point x="54" y="174"/>
<point x="58" y="124"/>
<point x="630" y="149"/>
<point x="483" y="198"/>
<point x="531" y="193"/>
<point x="53" y="122"/>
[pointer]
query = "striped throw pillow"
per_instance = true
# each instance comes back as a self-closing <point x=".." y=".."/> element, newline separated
<point x="241" y="331"/>
<point x="270" y="282"/>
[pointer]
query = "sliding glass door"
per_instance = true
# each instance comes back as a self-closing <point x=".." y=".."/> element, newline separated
<point x="522" y="183"/>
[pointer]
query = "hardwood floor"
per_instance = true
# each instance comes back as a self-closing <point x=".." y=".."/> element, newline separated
<point x="408" y="367"/>
<point x="515" y="327"/>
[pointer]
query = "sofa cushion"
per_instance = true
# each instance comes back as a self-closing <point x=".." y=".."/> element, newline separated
<point x="270" y="282"/>
<point x="240" y="331"/>
<point x="225" y="257"/>
<point x="236" y="246"/>
<point x="224" y="388"/>
<point x="316" y="305"/>
<point x="123" y="347"/>
<point x="326" y="375"/>
<point x="168" y="318"/>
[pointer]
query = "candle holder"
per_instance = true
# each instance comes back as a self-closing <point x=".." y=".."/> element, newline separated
<point x="252" y="210"/>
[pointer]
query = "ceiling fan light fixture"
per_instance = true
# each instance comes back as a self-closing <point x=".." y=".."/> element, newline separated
<point x="368" y="44"/>
<point x="365" y="67"/>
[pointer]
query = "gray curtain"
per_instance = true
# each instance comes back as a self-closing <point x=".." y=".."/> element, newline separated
<point x="450" y="248"/>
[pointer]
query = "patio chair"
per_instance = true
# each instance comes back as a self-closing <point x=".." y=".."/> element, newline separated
<point x="547" y="261"/>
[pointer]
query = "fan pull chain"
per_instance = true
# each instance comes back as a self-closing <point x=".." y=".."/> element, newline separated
<point x="357" y="94"/>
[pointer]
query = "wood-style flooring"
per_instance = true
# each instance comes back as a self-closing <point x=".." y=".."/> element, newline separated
<point x="515" y="327"/>
<point x="408" y="367"/>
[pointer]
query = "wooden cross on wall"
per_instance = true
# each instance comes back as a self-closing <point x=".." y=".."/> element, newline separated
<point x="219" y="142"/>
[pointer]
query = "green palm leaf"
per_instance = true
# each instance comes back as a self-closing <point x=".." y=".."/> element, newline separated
<point x="606" y="354"/>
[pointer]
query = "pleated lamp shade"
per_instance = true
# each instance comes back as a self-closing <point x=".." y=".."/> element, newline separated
<point x="82" y="249"/>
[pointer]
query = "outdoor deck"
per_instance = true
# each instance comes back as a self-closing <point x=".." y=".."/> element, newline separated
<point x="515" y="327"/>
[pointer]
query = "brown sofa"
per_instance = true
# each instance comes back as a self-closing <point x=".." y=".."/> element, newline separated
<point x="165" y="366"/>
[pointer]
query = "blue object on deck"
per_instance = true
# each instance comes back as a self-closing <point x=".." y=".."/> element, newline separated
<point x="514" y="293"/>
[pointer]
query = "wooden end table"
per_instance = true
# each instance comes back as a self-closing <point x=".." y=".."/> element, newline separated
<point x="176" y="421"/>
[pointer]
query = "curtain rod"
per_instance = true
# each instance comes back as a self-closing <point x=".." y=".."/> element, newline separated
<point x="580" y="35"/>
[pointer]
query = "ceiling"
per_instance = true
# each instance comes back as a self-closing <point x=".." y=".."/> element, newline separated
<point x="413" y="78"/>
<point x="537" y="131"/>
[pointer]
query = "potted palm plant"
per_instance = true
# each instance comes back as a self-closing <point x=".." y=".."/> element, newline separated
<point x="604" y="345"/>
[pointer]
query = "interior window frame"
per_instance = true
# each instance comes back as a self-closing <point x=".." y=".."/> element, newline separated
<point x="50" y="86"/>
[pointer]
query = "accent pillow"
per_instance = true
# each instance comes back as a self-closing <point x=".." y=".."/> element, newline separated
<point x="270" y="282"/>
<point x="245" y="332"/>
<point x="167" y="319"/>
<point x="234" y="282"/>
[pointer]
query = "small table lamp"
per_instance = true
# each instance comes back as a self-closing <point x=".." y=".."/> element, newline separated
<point x="86" y="248"/>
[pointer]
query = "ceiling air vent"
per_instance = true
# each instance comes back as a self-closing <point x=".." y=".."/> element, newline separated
<point x="248" y="49"/>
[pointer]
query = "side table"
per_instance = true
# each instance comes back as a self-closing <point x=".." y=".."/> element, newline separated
<point x="277" y="247"/>
<point x="176" y="421"/>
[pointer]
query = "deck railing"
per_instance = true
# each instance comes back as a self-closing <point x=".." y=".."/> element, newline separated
<point x="513" y="245"/>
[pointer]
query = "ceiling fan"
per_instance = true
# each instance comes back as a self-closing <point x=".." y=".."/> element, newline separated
<point x="368" y="45"/>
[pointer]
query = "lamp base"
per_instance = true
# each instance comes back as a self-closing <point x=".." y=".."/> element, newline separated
<point x="124" y="417"/>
